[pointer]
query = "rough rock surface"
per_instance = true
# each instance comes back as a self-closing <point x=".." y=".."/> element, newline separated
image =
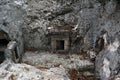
<point x="108" y="62"/>
<point x="90" y="17"/>
<point x="12" y="13"/>
<point x="11" y="71"/>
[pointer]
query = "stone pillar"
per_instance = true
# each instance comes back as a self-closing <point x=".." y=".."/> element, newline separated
<point x="53" y="44"/>
<point x="10" y="51"/>
<point x="66" y="44"/>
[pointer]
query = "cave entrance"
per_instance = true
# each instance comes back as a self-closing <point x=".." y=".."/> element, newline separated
<point x="60" y="44"/>
<point x="4" y="40"/>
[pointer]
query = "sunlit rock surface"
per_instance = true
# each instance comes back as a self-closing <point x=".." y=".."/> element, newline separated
<point x="11" y="71"/>
<point x="91" y="18"/>
<point x="27" y="21"/>
<point x="107" y="62"/>
<point x="12" y="14"/>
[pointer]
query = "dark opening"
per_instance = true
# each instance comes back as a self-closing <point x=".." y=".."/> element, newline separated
<point x="16" y="54"/>
<point x="2" y="56"/>
<point x="99" y="44"/>
<point x="60" y="44"/>
<point x="3" y="44"/>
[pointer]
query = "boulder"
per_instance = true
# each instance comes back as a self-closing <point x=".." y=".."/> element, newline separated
<point x="107" y="61"/>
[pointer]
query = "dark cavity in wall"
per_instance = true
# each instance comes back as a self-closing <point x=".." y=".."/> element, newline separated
<point x="99" y="44"/>
<point x="2" y="56"/>
<point x="60" y="44"/>
<point x="16" y="55"/>
<point x="3" y="44"/>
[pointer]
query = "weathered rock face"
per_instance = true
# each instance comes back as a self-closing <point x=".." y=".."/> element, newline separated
<point x="107" y="62"/>
<point x="91" y="18"/>
<point x="12" y="13"/>
<point x="11" y="71"/>
<point x="94" y="21"/>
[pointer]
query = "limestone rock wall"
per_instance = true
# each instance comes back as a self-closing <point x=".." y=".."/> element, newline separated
<point x="32" y="17"/>
<point x="91" y="18"/>
<point x="12" y="14"/>
<point x="26" y="21"/>
<point x="107" y="61"/>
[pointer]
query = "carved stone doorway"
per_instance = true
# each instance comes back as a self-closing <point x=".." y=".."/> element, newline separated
<point x="60" y="44"/>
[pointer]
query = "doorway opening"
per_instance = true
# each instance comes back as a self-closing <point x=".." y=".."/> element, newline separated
<point x="60" y="44"/>
<point x="3" y="42"/>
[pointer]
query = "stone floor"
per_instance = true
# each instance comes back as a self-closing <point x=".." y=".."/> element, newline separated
<point x="76" y="66"/>
<point x="46" y="59"/>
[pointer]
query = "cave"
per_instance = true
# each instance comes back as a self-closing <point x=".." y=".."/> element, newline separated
<point x="3" y="44"/>
<point x="59" y="44"/>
